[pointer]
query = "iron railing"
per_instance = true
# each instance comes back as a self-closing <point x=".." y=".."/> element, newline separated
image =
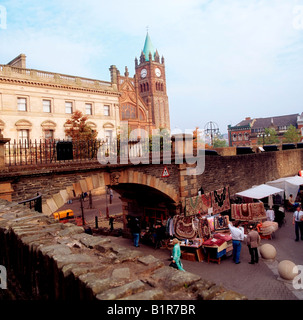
<point x="41" y="152"/>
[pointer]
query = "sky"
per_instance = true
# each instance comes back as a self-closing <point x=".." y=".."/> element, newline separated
<point x="225" y="59"/>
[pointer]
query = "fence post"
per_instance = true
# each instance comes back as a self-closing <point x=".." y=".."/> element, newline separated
<point x="3" y="141"/>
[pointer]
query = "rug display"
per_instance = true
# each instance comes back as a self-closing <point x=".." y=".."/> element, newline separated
<point x="204" y="231"/>
<point x="221" y="222"/>
<point x="206" y="202"/>
<point x="184" y="227"/>
<point x="248" y="211"/>
<point x="193" y="205"/>
<point x="211" y="224"/>
<point x="257" y="210"/>
<point x="220" y="200"/>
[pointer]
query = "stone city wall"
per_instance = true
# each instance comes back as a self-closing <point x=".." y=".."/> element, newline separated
<point x="47" y="260"/>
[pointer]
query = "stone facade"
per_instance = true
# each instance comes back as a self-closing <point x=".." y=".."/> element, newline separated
<point x="35" y="104"/>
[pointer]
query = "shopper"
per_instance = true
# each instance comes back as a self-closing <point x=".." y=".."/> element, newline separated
<point x="253" y="241"/>
<point x="176" y="254"/>
<point x="237" y="234"/>
<point x="298" y="222"/>
<point x="135" y="229"/>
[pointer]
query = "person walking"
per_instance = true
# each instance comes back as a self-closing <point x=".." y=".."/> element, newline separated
<point x="253" y="241"/>
<point x="237" y="234"/>
<point x="176" y="254"/>
<point x="136" y="231"/>
<point x="298" y="222"/>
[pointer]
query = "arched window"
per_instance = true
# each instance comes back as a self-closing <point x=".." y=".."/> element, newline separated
<point x="128" y="111"/>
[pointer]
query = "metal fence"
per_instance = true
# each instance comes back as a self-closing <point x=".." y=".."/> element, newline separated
<point x="35" y="152"/>
<point x="50" y="151"/>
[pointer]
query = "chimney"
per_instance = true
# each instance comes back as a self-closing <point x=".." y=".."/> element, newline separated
<point x="19" y="62"/>
<point x="247" y="118"/>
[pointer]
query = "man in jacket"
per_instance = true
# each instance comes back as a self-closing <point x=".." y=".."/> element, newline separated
<point x="253" y="241"/>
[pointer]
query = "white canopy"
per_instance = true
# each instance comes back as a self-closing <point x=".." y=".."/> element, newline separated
<point x="289" y="184"/>
<point x="259" y="192"/>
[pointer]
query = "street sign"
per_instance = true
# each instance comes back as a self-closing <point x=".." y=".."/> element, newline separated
<point x="165" y="173"/>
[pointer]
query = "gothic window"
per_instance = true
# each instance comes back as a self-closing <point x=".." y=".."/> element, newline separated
<point x="234" y="137"/>
<point x="128" y="112"/>
<point x="240" y="136"/>
<point x="141" y="115"/>
<point x="246" y="136"/>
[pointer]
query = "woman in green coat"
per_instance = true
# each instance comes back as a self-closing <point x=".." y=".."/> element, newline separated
<point x="177" y="254"/>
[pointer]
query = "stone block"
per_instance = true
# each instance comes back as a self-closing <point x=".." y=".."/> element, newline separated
<point x="89" y="183"/>
<point x="230" y="295"/>
<point x="63" y="259"/>
<point x="83" y="185"/>
<point x="211" y="293"/>
<point x="121" y="273"/>
<point x="173" y="279"/>
<point x="70" y="191"/>
<point x="64" y="195"/>
<point x="123" y="291"/>
<point x="155" y="294"/>
<point x="52" y="204"/>
<point x="46" y="209"/>
<point x="58" y="200"/>
<point x="77" y="189"/>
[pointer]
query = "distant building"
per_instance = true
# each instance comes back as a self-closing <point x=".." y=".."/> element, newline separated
<point x="249" y="131"/>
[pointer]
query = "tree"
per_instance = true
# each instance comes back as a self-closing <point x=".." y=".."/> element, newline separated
<point x="219" y="142"/>
<point x="268" y="137"/>
<point x="77" y="128"/>
<point x="292" y="135"/>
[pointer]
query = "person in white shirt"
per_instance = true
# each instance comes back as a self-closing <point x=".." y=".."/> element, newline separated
<point x="270" y="214"/>
<point x="237" y="234"/>
<point x="298" y="222"/>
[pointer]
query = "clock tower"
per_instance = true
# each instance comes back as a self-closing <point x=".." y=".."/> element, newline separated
<point x="151" y="82"/>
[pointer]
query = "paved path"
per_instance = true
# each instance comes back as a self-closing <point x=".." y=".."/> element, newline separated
<point x="259" y="281"/>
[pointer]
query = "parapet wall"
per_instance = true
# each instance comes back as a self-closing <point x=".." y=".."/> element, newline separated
<point x="48" y="260"/>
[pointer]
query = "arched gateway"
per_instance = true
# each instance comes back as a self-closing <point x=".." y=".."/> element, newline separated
<point x="142" y="195"/>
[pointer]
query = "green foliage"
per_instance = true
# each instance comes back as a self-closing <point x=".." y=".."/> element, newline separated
<point x="292" y="135"/>
<point x="219" y="142"/>
<point x="269" y="137"/>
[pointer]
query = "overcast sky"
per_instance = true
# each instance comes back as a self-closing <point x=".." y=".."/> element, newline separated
<point x="225" y="59"/>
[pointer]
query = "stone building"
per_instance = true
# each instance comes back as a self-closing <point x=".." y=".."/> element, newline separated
<point x="249" y="131"/>
<point x="144" y="101"/>
<point x="35" y="104"/>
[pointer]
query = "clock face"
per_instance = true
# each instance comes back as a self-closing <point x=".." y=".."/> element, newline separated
<point x="143" y="73"/>
<point x="158" y="72"/>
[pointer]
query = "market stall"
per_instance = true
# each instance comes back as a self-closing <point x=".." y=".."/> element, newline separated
<point x="254" y="212"/>
<point x="203" y="228"/>
<point x="290" y="185"/>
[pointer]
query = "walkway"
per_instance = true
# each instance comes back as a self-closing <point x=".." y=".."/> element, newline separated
<point x="259" y="281"/>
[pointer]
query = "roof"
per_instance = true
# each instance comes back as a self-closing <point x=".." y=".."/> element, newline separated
<point x="277" y="121"/>
<point x="148" y="48"/>
<point x="260" y="192"/>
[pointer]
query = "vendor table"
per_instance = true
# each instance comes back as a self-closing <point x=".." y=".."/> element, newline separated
<point x="193" y="252"/>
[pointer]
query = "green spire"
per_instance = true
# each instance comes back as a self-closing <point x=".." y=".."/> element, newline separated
<point x="148" y="48"/>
